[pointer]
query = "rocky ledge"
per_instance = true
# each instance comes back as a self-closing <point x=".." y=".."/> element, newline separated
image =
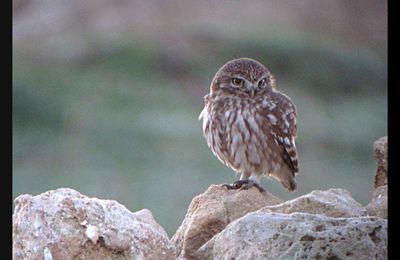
<point x="64" y="224"/>
<point x="219" y="224"/>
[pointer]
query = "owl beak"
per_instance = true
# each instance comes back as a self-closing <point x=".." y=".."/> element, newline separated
<point x="252" y="92"/>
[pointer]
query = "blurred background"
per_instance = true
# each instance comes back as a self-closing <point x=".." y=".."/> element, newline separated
<point x="106" y="94"/>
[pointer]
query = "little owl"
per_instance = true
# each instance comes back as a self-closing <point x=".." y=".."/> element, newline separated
<point x="250" y="126"/>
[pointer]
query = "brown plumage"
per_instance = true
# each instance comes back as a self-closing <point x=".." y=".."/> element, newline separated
<point x="250" y="126"/>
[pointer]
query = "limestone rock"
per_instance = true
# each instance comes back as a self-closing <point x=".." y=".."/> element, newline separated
<point x="263" y="235"/>
<point x="378" y="206"/>
<point x="333" y="203"/>
<point x="380" y="154"/>
<point x="212" y="211"/>
<point x="64" y="224"/>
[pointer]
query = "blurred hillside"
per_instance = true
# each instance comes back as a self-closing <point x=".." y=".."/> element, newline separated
<point x="106" y="95"/>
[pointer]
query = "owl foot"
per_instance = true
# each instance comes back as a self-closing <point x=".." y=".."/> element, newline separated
<point x="243" y="185"/>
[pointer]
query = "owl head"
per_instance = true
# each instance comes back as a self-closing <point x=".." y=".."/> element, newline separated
<point x="244" y="77"/>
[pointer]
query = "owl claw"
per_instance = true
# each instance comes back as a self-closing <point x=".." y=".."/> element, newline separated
<point x="243" y="185"/>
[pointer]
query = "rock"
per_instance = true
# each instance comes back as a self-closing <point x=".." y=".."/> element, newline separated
<point x="378" y="206"/>
<point x="333" y="203"/>
<point x="212" y="211"/>
<point x="380" y="154"/>
<point x="64" y="224"/>
<point x="264" y="235"/>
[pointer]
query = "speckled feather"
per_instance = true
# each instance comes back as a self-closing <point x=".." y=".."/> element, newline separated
<point x="254" y="135"/>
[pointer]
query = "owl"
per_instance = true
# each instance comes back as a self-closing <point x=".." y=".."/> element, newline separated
<point x="250" y="126"/>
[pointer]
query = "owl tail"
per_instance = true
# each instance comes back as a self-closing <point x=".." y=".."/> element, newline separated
<point x="289" y="184"/>
<point x="286" y="177"/>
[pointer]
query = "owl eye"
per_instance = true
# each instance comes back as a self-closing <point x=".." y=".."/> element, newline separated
<point x="237" y="81"/>
<point x="261" y="83"/>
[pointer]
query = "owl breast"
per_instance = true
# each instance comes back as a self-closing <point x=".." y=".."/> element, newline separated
<point x="238" y="135"/>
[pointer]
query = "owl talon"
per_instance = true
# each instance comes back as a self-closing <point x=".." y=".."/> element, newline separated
<point x="243" y="185"/>
<point x="236" y="185"/>
<point x="252" y="184"/>
<point x="229" y="186"/>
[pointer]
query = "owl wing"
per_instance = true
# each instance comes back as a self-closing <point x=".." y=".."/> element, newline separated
<point x="206" y="100"/>
<point x="281" y="114"/>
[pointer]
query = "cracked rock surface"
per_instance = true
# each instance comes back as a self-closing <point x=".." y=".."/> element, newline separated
<point x="262" y="235"/>
<point x="64" y="224"/>
<point x="333" y="202"/>
<point x="210" y="212"/>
